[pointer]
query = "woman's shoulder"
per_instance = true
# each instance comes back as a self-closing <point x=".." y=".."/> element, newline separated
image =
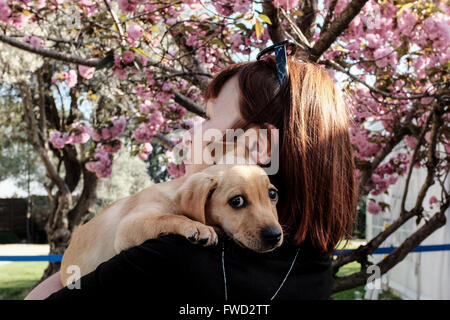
<point x="172" y="248"/>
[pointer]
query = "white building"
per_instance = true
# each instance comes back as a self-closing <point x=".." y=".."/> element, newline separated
<point x="421" y="275"/>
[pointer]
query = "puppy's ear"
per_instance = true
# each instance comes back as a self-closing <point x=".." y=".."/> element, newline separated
<point x="191" y="197"/>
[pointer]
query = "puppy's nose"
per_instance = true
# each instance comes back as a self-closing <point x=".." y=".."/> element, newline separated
<point x="271" y="235"/>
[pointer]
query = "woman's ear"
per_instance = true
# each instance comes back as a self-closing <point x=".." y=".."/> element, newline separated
<point x="267" y="139"/>
<point x="192" y="195"/>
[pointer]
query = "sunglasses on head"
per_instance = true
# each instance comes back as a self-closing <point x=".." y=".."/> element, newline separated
<point x="282" y="50"/>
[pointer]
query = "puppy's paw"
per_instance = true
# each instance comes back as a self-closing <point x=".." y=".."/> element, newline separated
<point x="199" y="233"/>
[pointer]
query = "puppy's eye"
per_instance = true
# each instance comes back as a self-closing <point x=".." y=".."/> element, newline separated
<point x="237" y="202"/>
<point x="273" y="194"/>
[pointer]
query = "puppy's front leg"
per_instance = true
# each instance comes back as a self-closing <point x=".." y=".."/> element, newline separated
<point x="137" y="228"/>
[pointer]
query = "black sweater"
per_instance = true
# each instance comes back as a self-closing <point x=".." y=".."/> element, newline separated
<point x="172" y="268"/>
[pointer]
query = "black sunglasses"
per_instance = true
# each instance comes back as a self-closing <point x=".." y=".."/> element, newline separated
<point x="282" y="50"/>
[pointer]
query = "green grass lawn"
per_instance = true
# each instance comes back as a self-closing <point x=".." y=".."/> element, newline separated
<point x="356" y="293"/>
<point x="18" y="278"/>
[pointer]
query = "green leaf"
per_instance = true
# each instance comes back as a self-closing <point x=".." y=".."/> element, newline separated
<point x="138" y="64"/>
<point x="403" y="7"/>
<point x="265" y="18"/>
<point x="259" y="28"/>
<point x="218" y="42"/>
<point x="107" y="61"/>
<point x="241" y="26"/>
<point x="141" y="52"/>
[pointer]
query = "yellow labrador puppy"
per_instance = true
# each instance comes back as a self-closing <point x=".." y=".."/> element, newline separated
<point x="195" y="206"/>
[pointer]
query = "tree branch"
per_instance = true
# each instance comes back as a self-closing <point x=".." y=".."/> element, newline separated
<point x="329" y="15"/>
<point x="165" y="141"/>
<point x="189" y="104"/>
<point x="86" y="202"/>
<point x="37" y="143"/>
<point x="394" y="140"/>
<point x="49" y="53"/>
<point x="328" y="36"/>
<point x="116" y="22"/>
<point x="404" y="216"/>
<point x="413" y="160"/>
<point x="276" y="30"/>
<point x="360" y="278"/>
<point x="385" y="94"/>
<point x="307" y="21"/>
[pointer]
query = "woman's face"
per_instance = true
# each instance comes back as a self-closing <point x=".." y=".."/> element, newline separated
<point x="221" y="113"/>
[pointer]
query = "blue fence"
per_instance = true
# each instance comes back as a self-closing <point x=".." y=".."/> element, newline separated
<point x="386" y="250"/>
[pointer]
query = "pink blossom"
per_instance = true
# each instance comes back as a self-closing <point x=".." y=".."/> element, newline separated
<point x="167" y="86"/>
<point x="40" y="4"/>
<point x="118" y="126"/>
<point x="113" y="147"/>
<point x="143" y="60"/>
<point x="106" y="133"/>
<point x="156" y="118"/>
<point x="433" y="200"/>
<point x="143" y="156"/>
<point x="101" y="164"/>
<point x="421" y="64"/>
<point x="374" y="40"/>
<point x="175" y="170"/>
<point x="191" y="40"/>
<point x="406" y="22"/>
<point x="72" y="78"/>
<point x="117" y="60"/>
<point x="128" y="57"/>
<point x="144" y="94"/>
<point x="244" y="5"/>
<point x="147" y="148"/>
<point x="19" y="20"/>
<point x="144" y="133"/>
<point x="381" y="56"/>
<point x="146" y="107"/>
<point x="223" y="7"/>
<point x="128" y="5"/>
<point x="35" y="41"/>
<point x="135" y="31"/>
<point x="94" y="134"/>
<point x="171" y="21"/>
<point x="236" y="41"/>
<point x="57" y="140"/>
<point x="120" y="73"/>
<point x="86" y="72"/>
<point x="80" y="133"/>
<point x="411" y="142"/>
<point x="5" y="11"/>
<point x="373" y="207"/>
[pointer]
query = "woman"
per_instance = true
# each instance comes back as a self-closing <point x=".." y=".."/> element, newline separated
<point x="316" y="207"/>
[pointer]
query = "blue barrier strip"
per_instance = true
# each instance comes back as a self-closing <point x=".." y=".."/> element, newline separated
<point x="386" y="250"/>
<point x="49" y="258"/>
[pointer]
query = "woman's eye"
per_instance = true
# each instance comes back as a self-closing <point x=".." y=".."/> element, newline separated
<point x="237" y="202"/>
<point x="273" y="194"/>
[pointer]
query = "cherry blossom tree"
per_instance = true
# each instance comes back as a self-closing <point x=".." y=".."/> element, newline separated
<point x="141" y="66"/>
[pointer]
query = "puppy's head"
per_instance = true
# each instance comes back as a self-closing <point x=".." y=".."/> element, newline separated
<point x="240" y="201"/>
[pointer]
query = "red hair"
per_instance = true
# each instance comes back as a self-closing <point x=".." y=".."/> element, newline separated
<point x="318" y="191"/>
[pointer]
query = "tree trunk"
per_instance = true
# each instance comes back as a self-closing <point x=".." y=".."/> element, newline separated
<point x="57" y="229"/>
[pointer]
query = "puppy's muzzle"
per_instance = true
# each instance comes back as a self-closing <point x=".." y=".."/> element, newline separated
<point x="271" y="236"/>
